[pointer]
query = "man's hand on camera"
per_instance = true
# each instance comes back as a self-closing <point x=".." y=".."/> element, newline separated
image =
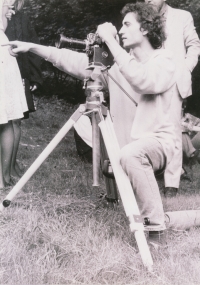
<point x="107" y="32"/>
<point x="18" y="47"/>
<point x="10" y="12"/>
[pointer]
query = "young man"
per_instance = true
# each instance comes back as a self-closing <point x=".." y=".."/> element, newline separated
<point x="147" y="74"/>
<point x="183" y="41"/>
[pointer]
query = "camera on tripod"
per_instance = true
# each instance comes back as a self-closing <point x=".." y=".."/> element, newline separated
<point x="98" y="53"/>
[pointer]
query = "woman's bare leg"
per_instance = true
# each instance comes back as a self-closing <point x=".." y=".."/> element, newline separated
<point x="7" y="142"/>
<point x="15" y="170"/>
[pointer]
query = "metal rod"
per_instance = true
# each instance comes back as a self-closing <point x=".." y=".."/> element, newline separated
<point x="95" y="150"/>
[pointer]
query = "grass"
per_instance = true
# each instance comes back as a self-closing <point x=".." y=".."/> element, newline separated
<point x="58" y="231"/>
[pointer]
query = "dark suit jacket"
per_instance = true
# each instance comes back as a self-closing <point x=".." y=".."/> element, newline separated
<point x="20" y="28"/>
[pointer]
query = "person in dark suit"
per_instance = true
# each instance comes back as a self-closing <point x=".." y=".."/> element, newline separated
<point x="20" y="28"/>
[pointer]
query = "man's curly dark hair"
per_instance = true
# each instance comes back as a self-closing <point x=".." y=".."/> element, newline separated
<point x="150" y="21"/>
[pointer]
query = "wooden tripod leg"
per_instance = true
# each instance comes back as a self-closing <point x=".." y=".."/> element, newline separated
<point x="125" y="190"/>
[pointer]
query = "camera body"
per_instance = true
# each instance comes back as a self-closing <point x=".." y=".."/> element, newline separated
<point x="98" y="53"/>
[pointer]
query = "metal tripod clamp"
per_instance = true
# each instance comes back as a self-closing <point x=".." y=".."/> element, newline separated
<point x="136" y="223"/>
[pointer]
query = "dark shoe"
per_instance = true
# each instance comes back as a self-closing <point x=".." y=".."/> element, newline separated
<point x="11" y="183"/>
<point x="196" y="154"/>
<point x="186" y="176"/>
<point x="194" y="158"/>
<point x="170" y="192"/>
<point x="158" y="239"/>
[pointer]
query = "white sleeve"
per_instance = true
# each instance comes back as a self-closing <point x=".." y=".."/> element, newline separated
<point x="154" y="77"/>
<point x="71" y="62"/>
<point x="192" y="43"/>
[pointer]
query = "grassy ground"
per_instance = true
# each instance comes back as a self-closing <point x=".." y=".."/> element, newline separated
<point x="57" y="231"/>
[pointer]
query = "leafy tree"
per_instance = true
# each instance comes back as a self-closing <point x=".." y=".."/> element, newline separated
<point x="77" y="18"/>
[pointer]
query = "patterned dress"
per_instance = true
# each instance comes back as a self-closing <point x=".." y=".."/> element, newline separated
<point x="12" y="97"/>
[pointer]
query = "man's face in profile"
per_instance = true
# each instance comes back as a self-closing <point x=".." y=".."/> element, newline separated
<point x="131" y="33"/>
<point x="157" y="3"/>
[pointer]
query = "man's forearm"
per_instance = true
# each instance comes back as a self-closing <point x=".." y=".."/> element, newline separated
<point x="114" y="47"/>
<point x="71" y="62"/>
<point x="154" y="77"/>
<point x="40" y="50"/>
<point x="68" y="61"/>
<point x="192" y="56"/>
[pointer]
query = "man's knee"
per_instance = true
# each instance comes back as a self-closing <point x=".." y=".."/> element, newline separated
<point x="128" y="157"/>
<point x="123" y="158"/>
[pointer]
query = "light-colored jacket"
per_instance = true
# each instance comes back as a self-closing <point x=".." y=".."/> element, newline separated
<point x="183" y="41"/>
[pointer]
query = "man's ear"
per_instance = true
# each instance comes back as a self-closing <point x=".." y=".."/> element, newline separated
<point x="144" y="32"/>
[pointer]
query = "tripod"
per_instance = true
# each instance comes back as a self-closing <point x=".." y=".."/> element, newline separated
<point x="101" y="121"/>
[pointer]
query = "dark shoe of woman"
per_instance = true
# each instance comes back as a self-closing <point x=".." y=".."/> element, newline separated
<point x="194" y="158"/>
<point x="11" y="183"/>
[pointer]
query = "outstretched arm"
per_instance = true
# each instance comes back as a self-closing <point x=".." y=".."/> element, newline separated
<point x="22" y="47"/>
<point x="71" y="62"/>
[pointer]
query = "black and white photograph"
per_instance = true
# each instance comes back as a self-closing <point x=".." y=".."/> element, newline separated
<point x="100" y="142"/>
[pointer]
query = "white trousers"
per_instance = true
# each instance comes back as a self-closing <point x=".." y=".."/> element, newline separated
<point x="173" y="169"/>
<point x="140" y="159"/>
